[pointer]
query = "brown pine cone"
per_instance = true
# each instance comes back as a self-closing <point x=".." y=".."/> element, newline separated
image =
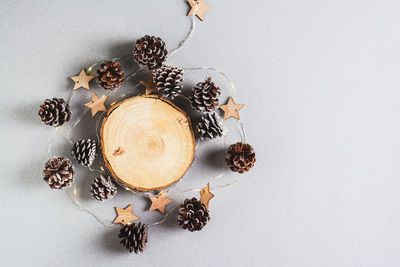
<point x="84" y="151"/>
<point x="210" y="126"/>
<point x="240" y="157"/>
<point x="150" y="52"/>
<point x="55" y="112"/>
<point x="168" y="81"/>
<point x="103" y="188"/>
<point x="193" y="215"/>
<point x="59" y="172"/>
<point x="110" y="75"/>
<point x="205" y="96"/>
<point x="134" y="237"/>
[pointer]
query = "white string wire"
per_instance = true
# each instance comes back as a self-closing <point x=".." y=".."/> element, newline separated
<point x="188" y="36"/>
<point x="52" y="141"/>
<point x="78" y="204"/>
<point x="91" y="69"/>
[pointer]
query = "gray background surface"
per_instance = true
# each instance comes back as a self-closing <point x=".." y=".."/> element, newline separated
<point x="320" y="80"/>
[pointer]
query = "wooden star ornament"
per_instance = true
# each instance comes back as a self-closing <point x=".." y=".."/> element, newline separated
<point x="124" y="216"/>
<point x="82" y="80"/>
<point x="150" y="85"/>
<point x="97" y="104"/>
<point x="231" y="109"/>
<point x="206" y="195"/>
<point x="198" y="8"/>
<point x="159" y="202"/>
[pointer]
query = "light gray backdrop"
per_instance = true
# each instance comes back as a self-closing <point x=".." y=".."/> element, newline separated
<point x="321" y="84"/>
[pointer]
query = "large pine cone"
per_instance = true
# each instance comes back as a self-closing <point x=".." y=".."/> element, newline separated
<point x="110" y="75"/>
<point x="84" y="151"/>
<point x="103" y="188"/>
<point x="134" y="237"/>
<point x="205" y="96"/>
<point x="210" y="126"/>
<point x="193" y="215"/>
<point x="59" y="172"/>
<point x="240" y="157"/>
<point x="168" y="81"/>
<point x="55" y="112"/>
<point x="150" y="52"/>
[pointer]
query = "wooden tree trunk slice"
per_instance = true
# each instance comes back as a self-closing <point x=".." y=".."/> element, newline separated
<point x="147" y="142"/>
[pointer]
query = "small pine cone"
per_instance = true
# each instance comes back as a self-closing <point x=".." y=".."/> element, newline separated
<point x="55" y="112"/>
<point x="149" y="52"/>
<point x="84" y="151"/>
<point x="59" y="172"/>
<point x="110" y="75"/>
<point x="103" y="188"/>
<point x="205" y="96"/>
<point x="240" y="157"/>
<point x="210" y="126"/>
<point x="168" y="81"/>
<point x="193" y="215"/>
<point x="134" y="237"/>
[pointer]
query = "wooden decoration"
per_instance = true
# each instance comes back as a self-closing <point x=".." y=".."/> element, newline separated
<point x="198" y="8"/>
<point x="82" y="80"/>
<point x="124" y="216"/>
<point x="159" y="202"/>
<point x="149" y="85"/>
<point x="231" y="109"/>
<point x="97" y="104"/>
<point x="147" y="142"/>
<point x="206" y="195"/>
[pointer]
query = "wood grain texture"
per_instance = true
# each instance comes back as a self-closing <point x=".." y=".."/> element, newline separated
<point x="147" y="142"/>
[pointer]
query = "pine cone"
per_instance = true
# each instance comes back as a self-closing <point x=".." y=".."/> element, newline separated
<point x="210" y="126"/>
<point x="84" y="151"/>
<point x="110" y="75"/>
<point x="150" y="52"/>
<point x="168" y="81"/>
<point x="55" y="112"/>
<point x="59" y="172"/>
<point x="205" y="96"/>
<point x="103" y="188"/>
<point x="193" y="215"/>
<point x="240" y="157"/>
<point x="134" y="237"/>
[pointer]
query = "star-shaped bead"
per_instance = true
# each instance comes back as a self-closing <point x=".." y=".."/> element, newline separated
<point x="150" y="85"/>
<point x="206" y="195"/>
<point x="231" y="109"/>
<point x="97" y="104"/>
<point x="159" y="202"/>
<point x="124" y="216"/>
<point x="82" y="80"/>
<point x="198" y="8"/>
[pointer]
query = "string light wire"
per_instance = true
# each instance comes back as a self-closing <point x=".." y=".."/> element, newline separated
<point x="169" y="193"/>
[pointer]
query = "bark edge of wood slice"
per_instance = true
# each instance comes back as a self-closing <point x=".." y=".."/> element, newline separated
<point x="147" y="142"/>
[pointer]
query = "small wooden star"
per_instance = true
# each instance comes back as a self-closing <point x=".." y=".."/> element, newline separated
<point x="97" y="104"/>
<point x="150" y="85"/>
<point x="124" y="216"/>
<point x="82" y="80"/>
<point x="159" y="202"/>
<point x="198" y="8"/>
<point x="231" y="109"/>
<point x="206" y="195"/>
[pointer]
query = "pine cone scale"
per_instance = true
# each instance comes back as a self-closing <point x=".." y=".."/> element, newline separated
<point x="150" y="52"/>
<point x="59" y="172"/>
<point x="134" y="237"/>
<point x="110" y="75"/>
<point x="55" y="112"/>
<point x="205" y="96"/>
<point x="240" y="157"/>
<point x="193" y="215"/>
<point x="103" y="188"/>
